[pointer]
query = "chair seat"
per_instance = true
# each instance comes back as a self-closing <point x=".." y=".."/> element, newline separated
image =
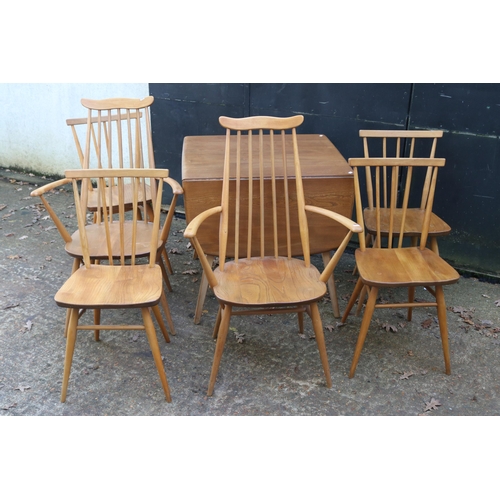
<point x="268" y="281"/>
<point x="403" y="267"/>
<point x="108" y="287"/>
<point x="413" y="222"/>
<point x="96" y="236"/>
<point x="128" y="195"/>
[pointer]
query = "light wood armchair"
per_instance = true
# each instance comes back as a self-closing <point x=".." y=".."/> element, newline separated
<point x="263" y="277"/>
<point x="123" y="283"/>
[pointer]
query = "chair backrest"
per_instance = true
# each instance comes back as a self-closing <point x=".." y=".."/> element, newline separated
<point x="261" y="166"/>
<point x="391" y="211"/>
<point x="397" y="144"/>
<point x="118" y="224"/>
<point x="75" y="122"/>
<point x="119" y="143"/>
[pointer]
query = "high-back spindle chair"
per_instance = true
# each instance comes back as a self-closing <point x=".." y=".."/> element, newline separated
<point x="389" y="264"/>
<point x="124" y="282"/>
<point x="263" y="277"/>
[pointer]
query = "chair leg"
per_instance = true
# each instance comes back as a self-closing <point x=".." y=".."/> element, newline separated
<point x="76" y="264"/>
<point x="320" y="340"/>
<point x="164" y="254"/>
<point x="161" y="324"/>
<point x="164" y="273"/>
<point x="219" y="347"/>
<point x="217" y="323"/>
<point x="434" y="245"/>
<point x="166" y="310"/>
<point x="370" y="307"/>
<point x="361" y="299"/>
<point x="202" y="293"/>
<point x="411" y="298"/>
<point x="70" y="349"/>
<point x="443" y="327"/>
<point x="331" y="287"/>
<point x="155" y="349"/>
<point x="300" y="318"/>
<point x="352" y="300"/>
<point x="97" y="321"/>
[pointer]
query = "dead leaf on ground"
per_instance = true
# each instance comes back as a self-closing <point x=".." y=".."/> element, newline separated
<point x="427" y="323"/>
<point x="497" y="303"/>
<point x="13" y="257"/>
<point x="175" y="250"/>
<point x="406" y="375"/>
<point x="12" y="405"/>
<point x="330" y="328"/>
<point x="190" y="271"/>
<point x="389" y="328"/>
<point x="2" y="207"/>
<point x="23" y="237"/>
<point x="27" y="326"/>
<point x="22" y="388"/>
<point x="432" y="404"/>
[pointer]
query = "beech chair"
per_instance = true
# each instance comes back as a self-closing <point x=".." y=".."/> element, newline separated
<point x="123" y="283"/>
<point x="268" y="280"/>
<point x="387" y="265"/>
<point x="402" y="143"/>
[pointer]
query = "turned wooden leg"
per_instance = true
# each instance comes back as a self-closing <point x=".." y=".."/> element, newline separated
<point x="370" y="307"/>
<point x="219" y="347"/>
<point x="70" y="349"/>
<point x="97" y="321"/>
<point x="411" y="298"/>
<point x="166" y="310"/>
<point x="217" y="323"/>
<point x="443" y="327"/>
<point x="155" y="350"/>
<point x="320" y="340"/>
<point x="352" y="300"/>
<point x="161" y="324"/>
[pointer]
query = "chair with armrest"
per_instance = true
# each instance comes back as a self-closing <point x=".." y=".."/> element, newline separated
<point x="391" y="265"/>
<point x="263" y="277"/>
<point x="123" y="283"/>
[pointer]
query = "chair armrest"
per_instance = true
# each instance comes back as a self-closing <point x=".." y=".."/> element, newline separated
<point x="45" y="189"/>
<point x="190" y="232"/>
<point x="352" y="227"/>
<point x="348" y="223"/>
<point x="176" y="187"/>
<point x="192" y="228"/>
<point x="49" y="187"/>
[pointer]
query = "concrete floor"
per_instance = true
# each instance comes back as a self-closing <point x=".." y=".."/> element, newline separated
<point x="267" y="367"/>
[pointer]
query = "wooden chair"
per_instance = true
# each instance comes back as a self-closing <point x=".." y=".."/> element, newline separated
<point x="119" y="130"/>
<point x="402" y="143"/>
<point x="387" y="265"/>
<point x="118" y="285"/>
<point x="97" y="245"/>
<point x="269" y="281"/>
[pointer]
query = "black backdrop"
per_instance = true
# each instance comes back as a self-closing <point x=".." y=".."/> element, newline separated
<point x="469" y="114"/>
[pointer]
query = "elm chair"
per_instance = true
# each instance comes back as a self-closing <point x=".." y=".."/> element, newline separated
<point x="387" y="265"/>
<point x="268" y="280"/>
<point x="124" y="282"/>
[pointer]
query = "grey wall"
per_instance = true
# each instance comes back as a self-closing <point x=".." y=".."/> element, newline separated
<point x="468" y="113"/>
